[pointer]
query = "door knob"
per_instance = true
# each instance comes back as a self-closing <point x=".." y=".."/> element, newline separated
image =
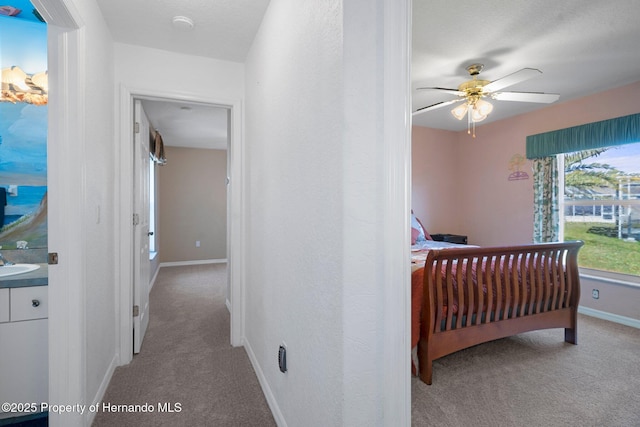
<point x="35" y="303"/>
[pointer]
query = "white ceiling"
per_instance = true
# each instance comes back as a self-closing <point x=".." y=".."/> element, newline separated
<point x="224" y="29"/>
<point x="581" y="46"/>
<point x="184" y="124"/>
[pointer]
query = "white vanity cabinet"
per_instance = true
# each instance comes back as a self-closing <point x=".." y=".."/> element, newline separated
<point x="24" y="373"/>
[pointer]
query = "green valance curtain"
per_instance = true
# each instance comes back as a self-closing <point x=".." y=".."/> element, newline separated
<point x="618" y="131"/>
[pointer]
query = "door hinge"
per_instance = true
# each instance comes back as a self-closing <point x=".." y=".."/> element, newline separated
<point x="136" y="310"/>
<point x="136" y="219"/>
<point x="52" y="258"/>
<point x="136" y="127"/>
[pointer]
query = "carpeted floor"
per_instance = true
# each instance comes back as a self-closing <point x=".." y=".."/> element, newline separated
<point x="536" y="379"/>
<point x="186" y="363"/>
<point x="533" y="379"/>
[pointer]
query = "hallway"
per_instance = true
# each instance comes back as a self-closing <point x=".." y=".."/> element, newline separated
<point x="187" y="373"/>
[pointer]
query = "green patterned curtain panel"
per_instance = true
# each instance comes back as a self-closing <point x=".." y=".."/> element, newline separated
<point x="546" y="200"/>
<point x="618" y="131"/>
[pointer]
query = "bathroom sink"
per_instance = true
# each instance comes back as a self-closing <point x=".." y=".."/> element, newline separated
<point x="11" y="270"/>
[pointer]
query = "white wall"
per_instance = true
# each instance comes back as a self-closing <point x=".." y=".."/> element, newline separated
<point x="160" y="72"/>
<point x="99" y="197"/>
<point x="316" y="214"/>
<point x="294" y="198"/>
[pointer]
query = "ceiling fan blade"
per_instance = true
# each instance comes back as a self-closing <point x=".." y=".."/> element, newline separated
<point x="435" y="106"/>
<point x="511" y="79"/>
<point x="543" y="98"/>
<point x="443" y="89"/>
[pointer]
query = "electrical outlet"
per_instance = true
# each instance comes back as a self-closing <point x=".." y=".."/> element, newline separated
<point x="197" y="243"/>
<point x="595" y="294"/>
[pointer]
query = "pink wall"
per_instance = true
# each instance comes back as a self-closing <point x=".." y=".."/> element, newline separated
<point x="460" y="184"/>
<point x="433" y="174"/>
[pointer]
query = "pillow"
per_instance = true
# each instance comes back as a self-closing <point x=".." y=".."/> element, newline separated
<point x="418" y="232"/>
<point x="414" y="235"/>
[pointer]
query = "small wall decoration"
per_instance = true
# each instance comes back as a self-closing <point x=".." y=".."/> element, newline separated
<point x="515" y="166"/>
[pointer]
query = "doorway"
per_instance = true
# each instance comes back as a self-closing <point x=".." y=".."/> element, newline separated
<point x="188" y="161"/>
<point x="234" y="192"/>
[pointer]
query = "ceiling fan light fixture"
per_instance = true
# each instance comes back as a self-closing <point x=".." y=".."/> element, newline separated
<point x="476" y="116"/>
<point x="460" y="111"/>
<point x="483" y="107"/>
<point x="471" y="92"/>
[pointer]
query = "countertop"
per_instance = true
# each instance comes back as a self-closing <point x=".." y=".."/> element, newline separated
<point x="39" y="277"/>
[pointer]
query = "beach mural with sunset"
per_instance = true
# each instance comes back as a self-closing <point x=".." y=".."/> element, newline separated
<point x="23" y="137"/>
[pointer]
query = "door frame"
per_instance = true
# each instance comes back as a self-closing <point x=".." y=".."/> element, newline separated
<point x="65" y="186"/>
<point x="124" y="221"/>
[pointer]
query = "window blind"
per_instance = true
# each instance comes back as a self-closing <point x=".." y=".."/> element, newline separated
<point x="605" y="133"/>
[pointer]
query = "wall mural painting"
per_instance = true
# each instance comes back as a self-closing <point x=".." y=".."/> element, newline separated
<point x="23" y="132"/>
<point x="515" y="166"/>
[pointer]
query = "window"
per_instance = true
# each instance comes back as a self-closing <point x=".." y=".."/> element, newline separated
<point x="601" y="206"/>
<point x="600" y="201"/>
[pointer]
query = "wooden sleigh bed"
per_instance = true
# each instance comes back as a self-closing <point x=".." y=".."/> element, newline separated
<point x="470" y="295"/>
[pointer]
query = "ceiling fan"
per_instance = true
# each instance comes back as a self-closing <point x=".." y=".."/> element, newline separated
<point x="471" y="92"/>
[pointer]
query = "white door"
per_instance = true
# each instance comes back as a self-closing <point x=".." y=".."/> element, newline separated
<point x="141" y="264"/>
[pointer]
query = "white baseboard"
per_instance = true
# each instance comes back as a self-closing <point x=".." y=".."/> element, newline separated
<point x="628" y="321"/>
<point x="194" y="262"/>
<point x="268" y="394"/>
<point x="90" y="415"/>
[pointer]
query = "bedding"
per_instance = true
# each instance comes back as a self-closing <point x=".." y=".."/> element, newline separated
<point x="463" y="295"/>
<point x="420" y="250"/>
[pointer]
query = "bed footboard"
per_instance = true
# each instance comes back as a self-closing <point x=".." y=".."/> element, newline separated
<point x="475" y="295"/>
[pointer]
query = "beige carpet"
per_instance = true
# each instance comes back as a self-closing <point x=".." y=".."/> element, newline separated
<point x="186" y="359"/>
<point x="536" y="379"/>
<point x="533" y="379"/>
